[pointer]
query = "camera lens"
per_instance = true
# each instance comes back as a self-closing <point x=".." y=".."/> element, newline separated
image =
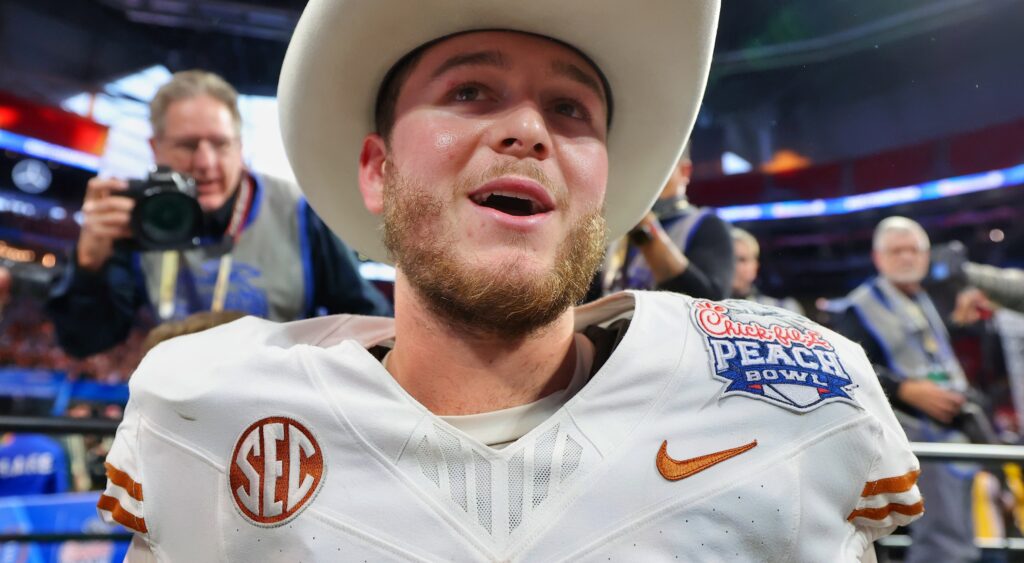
<point x="168" y="217"/>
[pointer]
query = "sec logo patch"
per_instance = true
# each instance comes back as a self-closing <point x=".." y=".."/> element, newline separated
<point x="276" y="469"/>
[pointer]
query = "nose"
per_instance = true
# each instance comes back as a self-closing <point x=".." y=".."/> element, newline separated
<point x="522" y="133"/>
<point x="205" y="156"/>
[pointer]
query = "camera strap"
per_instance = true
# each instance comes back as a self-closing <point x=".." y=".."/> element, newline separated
<point x="171" y="261"/>
<point x="234" y="231"/>
<point x="168" y="281"/>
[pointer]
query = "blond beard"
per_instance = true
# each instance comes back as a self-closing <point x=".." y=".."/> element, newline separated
<point x="478" y="300"/>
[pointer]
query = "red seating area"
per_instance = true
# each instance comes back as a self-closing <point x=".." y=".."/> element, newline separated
<point x="994" y="147"/>
<point x="899" y="167"/>
<point x="806" y="183"/>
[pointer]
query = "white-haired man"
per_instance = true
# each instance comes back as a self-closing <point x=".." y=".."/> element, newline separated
<point x="492" y="421"/>
<point x="903" y="334"/>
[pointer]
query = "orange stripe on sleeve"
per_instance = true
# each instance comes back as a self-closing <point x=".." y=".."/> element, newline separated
<point x="122" y="516"/>
<point x="882" y="512"/>
<point x="121" y="479"/>
<point x="900" y="484"/>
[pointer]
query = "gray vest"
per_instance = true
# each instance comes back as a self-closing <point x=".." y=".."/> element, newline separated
<point x="270" y="275"/>
<point x="885" y="313"/>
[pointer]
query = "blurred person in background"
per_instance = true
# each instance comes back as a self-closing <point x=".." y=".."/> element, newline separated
<point x="676" y="247"/>
<point x="748" y="262"/>
<point x="88" y="452"/>
<point x="267" y="253"/>
<point x="904" y="336"/>
<point x="31" y="464"/>
<point x="196" y="322"/>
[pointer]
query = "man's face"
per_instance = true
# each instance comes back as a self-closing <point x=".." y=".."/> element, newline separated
<point x="902" y="257"/>
<point x="746" y="268"/>
<point x="675" y="186"/>
<point x="495" y="176"/>
<point x="200" y="140"/>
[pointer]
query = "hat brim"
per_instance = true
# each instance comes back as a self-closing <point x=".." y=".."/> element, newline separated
<point x="655" y="55"/>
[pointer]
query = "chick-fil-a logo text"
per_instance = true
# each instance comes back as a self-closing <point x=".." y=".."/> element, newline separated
<point x="714" y="320"/>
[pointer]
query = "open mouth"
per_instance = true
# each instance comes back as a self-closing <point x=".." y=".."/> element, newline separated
<point x="518" y="205"/>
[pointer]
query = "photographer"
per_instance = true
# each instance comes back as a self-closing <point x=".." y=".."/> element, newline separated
<point x="676" y="247"/>
<point x="903" y="334"/>
<point x="253" y="244"/>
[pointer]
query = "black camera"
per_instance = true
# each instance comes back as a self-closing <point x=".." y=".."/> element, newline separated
<point x="947" y="263"/>
<point x="167" y="215"/>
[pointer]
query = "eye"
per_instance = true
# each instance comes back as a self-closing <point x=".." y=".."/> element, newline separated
<point x="571" y="109"/>
<point x="467" y="93"/>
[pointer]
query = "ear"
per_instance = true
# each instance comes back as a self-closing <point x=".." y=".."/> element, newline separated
<point x="371" y="172"/>
<point x="686" y="168"/>
<point x="152" y="145"/>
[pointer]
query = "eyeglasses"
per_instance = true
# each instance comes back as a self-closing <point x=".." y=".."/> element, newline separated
<point x="900" y="250"/>
<point x="187" y="146"/>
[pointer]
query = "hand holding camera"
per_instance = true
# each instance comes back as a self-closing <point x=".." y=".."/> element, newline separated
<point x="105" y="220"/>
<point x="158" y="213"/>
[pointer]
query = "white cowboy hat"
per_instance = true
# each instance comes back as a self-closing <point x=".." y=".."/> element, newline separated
<point x="655" y="55"/>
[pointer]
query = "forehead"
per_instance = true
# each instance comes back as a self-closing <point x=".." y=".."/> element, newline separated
<point x="902" y="238"/>
<point x="516" y="52"/>
<point x="202" y="111"/>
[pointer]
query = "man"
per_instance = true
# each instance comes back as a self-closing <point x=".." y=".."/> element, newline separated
<point x="676" y="247"/>
<point x="905" y="337"/>
<point x="265" y="253"/>
<point x="748" y="262"/>
<point x="490" y="420"/>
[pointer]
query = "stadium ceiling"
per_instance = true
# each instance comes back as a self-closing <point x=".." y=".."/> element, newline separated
<point x="246" y="39"/>
<point x="794" y="61"/>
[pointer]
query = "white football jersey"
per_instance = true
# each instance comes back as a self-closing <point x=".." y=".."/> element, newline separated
<point x="715" y="431"/>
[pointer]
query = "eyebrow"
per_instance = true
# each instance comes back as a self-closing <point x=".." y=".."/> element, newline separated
<point x="479" y="58"/>
<point x="496" y="59"/>
<point x="577" y="74"/>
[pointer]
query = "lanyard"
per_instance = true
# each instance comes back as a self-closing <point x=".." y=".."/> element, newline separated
<point x="171" y="260"/>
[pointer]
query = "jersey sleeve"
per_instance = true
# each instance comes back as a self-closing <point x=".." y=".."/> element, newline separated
<point x="889" y="495"/>
<point x="122" y="502"/>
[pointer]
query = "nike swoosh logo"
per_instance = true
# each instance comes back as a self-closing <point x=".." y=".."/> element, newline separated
<point x="674" y="470"/>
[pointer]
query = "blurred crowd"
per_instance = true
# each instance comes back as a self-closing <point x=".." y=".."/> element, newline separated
<point x="29" y="341"/>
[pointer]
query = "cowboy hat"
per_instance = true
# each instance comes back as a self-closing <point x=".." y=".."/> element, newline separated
<point x="655" y="55"/>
